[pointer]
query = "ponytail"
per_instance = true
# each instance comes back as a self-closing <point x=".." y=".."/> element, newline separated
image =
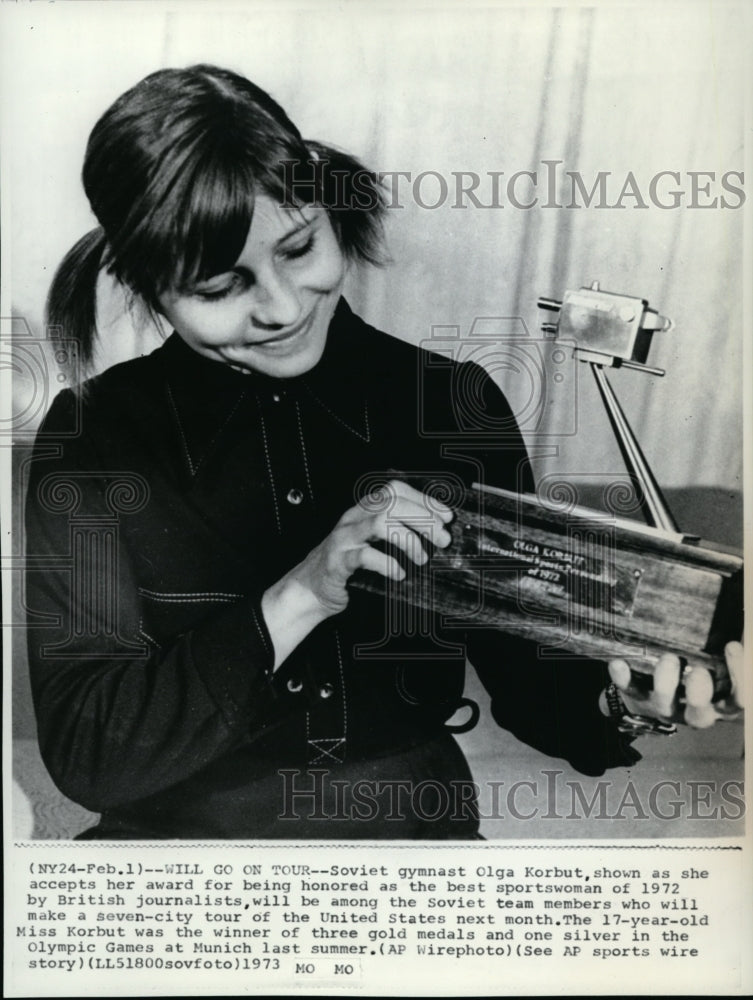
<point x="71" y="309"/>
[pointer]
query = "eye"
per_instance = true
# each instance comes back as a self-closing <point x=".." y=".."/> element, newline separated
<point x="215" y="294"/>
<point x="300" y="250"/>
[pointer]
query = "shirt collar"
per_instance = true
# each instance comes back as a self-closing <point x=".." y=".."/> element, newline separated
<point x="204" y="393"/>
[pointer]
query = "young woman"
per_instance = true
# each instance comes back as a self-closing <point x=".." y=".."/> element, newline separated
<point x="199" y="666"/>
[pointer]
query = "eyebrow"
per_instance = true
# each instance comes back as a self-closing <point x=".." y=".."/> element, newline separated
<point x="298" y="227"/>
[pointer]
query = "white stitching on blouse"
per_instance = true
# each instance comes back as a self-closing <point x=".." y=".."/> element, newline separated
<point x="261" y="632"/>
<point x="342" y="685"/>
<point x="221" y="428"/>
<point x="195" y="468"/>
<point x="364" y="437"/>
<point x="269" y="465"/>
<point x="191" y="467"/>
<point x="324" y="752"/>
<point x="337" y="741"/>
<point x="303" y="449"/>
<point x="149" y="638"/>
<point x="177" y="598"/>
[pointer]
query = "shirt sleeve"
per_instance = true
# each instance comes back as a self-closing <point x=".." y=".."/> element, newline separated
<point x="118" y="716"/>
<point x="550" y="704"/>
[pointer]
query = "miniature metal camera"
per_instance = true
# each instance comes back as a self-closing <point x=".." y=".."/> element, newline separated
<point x="607" y="328"/>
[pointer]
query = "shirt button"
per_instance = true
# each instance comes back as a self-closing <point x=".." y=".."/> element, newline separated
<point x="295" y="497"/>
<point x="326" y="691"/>
<point x="276" y="397"/>
<point x="294" y="685"/>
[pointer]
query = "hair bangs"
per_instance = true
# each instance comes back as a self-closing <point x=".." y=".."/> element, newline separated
<point x="211" y="206"/>
<point x="213" y="220"/>
<point x="172" y="171"/>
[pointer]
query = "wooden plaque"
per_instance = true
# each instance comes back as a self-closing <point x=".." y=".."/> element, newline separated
<point x="579" y="581"/>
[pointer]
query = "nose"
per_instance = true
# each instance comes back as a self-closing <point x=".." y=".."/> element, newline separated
<point x="275" y="303"/>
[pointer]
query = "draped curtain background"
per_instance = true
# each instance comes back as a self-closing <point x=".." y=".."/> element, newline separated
<point x="449" y="89"/>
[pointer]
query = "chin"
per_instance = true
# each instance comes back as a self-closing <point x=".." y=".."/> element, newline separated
<point x="287" y="366"/>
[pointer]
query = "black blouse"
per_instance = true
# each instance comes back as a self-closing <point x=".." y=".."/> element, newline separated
<point x="164" y="499"/>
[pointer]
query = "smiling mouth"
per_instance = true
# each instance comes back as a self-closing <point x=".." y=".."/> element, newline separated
<point x="285" y="338"/>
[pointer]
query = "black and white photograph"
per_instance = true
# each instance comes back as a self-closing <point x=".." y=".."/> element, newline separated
<point x="374" y="491"/>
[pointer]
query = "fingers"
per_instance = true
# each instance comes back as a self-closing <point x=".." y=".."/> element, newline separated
<point x="406" y="536"/>
<point x="660" y="701"/>
<point x="383" y="500"/>
<point x="699" y="690"/>
<point x="699" y="709"/>
<point x="734" y="655"/>
<point x="398" y="500"/>
<point x="666" y="681"/>
<point x="404" y="520"/>
<point x="701" y="712"/>
<point x="619" y="671"/>
<point x="367" y="557"/>
<point x="402" y="517"/>
<point x="699" y="687"/>
<point x="407" y="517"/>
<point x="426" y="502"/>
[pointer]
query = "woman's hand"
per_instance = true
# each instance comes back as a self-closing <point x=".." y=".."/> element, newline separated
<point x="398" y="514"/>
<point x="661" y="703"/>
<point x="316" y="588"/>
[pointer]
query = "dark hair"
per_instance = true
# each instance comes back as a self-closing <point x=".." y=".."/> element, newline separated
<point x="171" y="171"/>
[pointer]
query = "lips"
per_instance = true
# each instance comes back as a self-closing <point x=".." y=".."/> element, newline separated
<point x="284" y="338"/>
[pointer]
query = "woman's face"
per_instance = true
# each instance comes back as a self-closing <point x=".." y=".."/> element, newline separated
<point x="271" y="312"/>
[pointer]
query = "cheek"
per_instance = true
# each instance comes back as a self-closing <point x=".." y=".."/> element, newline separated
<point x="328" y="270"/>
<point x="210" y="324"/>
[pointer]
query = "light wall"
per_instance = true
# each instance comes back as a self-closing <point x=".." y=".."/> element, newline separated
<point x="635" y="88"/>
